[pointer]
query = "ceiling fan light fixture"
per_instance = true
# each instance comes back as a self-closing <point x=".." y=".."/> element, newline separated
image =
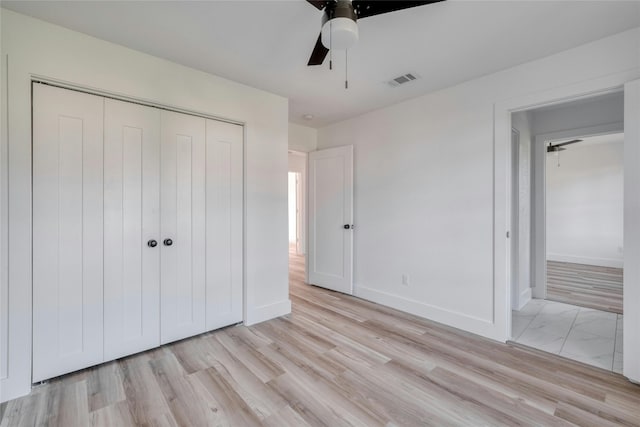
<point x="340" y="33"/>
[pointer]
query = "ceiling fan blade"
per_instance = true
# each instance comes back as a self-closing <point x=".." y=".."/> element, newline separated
<point x="554" y="149"/>
<point x="319" y="53"/>
<point x="366" y="8"/>
<point x="573" y="141"/>
<point x="318" y="4"/>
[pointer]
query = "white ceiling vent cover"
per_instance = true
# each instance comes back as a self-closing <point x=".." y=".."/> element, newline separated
<point x="400" y="80"/>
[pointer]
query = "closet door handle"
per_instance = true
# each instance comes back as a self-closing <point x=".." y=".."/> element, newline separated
<point x="168" y="242"/>
<point x="152" y="243"/>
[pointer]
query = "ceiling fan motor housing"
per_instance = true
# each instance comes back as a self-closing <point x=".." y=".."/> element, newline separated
<point x="339" y="27"/>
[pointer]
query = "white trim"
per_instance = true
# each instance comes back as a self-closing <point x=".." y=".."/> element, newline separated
<point x="539" y="220"/>
<point x="514" y="271"/>
<point x="631" y="285"/>
<point x="4" y="288"/>
<point x="502" y="177"/>
<point x="306" y="219"/>
<point x="524" y="298"/>
<point x="122" y="97"/>
<point x="267" y="312"/>
<point x="452" y="318"/>
<point x="576" y="259"/>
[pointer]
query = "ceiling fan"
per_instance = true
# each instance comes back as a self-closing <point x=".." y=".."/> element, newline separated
<point x="339" y="21"/>
<point x="554" y="148"/>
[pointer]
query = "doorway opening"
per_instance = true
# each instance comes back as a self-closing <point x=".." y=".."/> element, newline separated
<point x="296" y="194"/>
<point x="567" y="226"/>
<point x="295" y="221"/>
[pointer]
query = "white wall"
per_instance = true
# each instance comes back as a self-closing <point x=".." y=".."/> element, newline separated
<point x="522" y="294"/>
<point x="37" y="48"/>
<point x="424" y="177"/>
<point x="585" y="204"/>
<point x="302" y="138"/>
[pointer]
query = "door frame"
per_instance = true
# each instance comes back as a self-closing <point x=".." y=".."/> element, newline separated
<point x="539" y="187"/>
<point x="503" y="203"/>
<point x="304" y="212"/>
<point x="515" y="218"/>
<point x="299" y="210"/>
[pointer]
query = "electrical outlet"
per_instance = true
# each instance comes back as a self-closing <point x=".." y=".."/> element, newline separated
<point x="405" y="279"/>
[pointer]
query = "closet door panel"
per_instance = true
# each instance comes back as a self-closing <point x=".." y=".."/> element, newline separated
<point x="132" y="219"/>
<point x="67" y="231"/>
<point x="183" y="222"/>
<point x="224" y="224"/>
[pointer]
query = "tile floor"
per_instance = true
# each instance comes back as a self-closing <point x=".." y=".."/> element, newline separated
<point x="584" y="334"/>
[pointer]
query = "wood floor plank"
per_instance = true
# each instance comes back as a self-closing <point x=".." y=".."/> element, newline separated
<point x="104" y="386"/>
<point x="262" y="368"/>
<point x="144" y="396"/>
<point x="587" y="286"/>
<point x="117" y="414"/>
<point x="187" y="405"/>
<point x="234" y="409"/>
<point x="340" y="361"/>
<point x="286" y="417"/>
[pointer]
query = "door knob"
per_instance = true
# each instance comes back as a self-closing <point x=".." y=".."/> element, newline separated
<point x="152" y="243"/>
<point x="346" y="226"/>
<point x="168" y="242"/>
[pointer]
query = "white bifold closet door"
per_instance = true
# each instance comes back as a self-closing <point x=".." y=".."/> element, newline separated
<point x="131" y="224"/>
<point x="137" y="228"/>
<point x="67" y="231"/>
<point x="183" y="226"/>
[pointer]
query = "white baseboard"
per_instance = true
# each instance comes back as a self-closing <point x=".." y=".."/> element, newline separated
<point x="524" y="298"/>
<point x="601" y="262"/>
<point x="267" y="312"/>
<point x="472" y="324"/>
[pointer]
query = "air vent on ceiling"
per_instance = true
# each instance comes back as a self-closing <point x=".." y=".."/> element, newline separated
<point x="405" y="78"/>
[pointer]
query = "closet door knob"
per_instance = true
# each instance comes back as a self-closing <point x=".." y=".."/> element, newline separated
<point x="168" y="242"/>
<point x="152" y="243"/>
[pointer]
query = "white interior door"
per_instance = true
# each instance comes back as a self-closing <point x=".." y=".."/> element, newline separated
<point x="131" y="225"/>
<point x="330" y="248"/>
<point x="183" y="227"/>
<point x="223" y="223"/>
<point x="67" y="231"/>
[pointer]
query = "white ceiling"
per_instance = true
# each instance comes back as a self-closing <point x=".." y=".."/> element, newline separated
<point x="266" y="44"/>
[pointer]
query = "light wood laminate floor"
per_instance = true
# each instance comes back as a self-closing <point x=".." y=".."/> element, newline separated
<point x="335" y="361"/>
<point x="587" y="286"/>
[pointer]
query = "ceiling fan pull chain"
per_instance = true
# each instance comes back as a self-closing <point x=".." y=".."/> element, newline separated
<point x="346" y="69"/>
<point x="330" y="45"/>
